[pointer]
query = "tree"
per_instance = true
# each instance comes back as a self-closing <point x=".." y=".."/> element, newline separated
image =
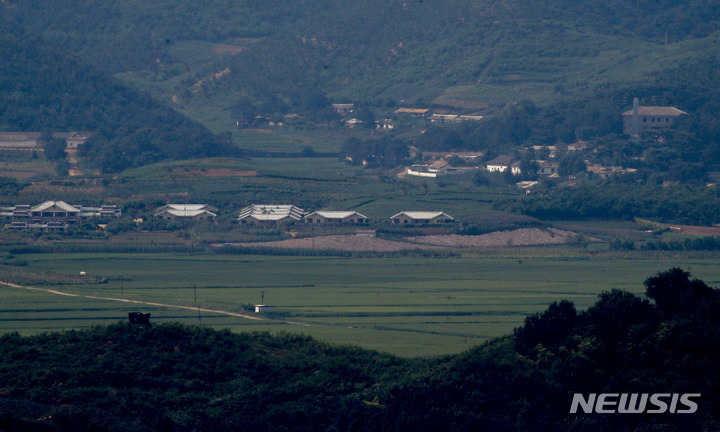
<point x="674" y="292"/>
<point x="571" y="164"/>
<point x="366" y="116"/>
<point x="529" y="168"/>
<point x="549" y="328"/>
<point x="440" y="139"/>
<point x="54" y="149"/>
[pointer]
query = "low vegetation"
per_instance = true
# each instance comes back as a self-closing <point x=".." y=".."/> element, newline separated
<point x="173" y="377"/>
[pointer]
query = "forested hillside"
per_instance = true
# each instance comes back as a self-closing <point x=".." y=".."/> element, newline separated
<point x="545" y="72"/>
<point x="42" y="89"/>
<point x="486" y="51"/>
<point x="174" y="378"/>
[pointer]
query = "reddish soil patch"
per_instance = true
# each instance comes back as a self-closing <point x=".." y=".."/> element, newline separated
<point x="350" y="243"/>
<point x="18" y="174"/>
<point x="23" y="170"/>
<point x="701" y="231"/>
<point x="150" y="237"/>
<point x="520" y="237"/>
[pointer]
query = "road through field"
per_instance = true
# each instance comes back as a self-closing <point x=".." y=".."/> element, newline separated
<point x="215" y="311"/>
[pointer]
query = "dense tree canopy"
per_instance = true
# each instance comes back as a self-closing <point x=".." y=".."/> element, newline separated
<point x="42" y="89"/>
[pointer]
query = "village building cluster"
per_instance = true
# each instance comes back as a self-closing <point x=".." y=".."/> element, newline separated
<point x="259" y="214"/>
<point x="57" y="216"/>
<point x="638" y="120"/>
<point x="54" y="215"/>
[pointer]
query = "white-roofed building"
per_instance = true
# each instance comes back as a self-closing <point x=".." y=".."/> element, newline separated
<point x="502" y="163"/>
<point x="269" y="213"/>
<point x="323" y="217"/>
<point x="73" y="139"/>
<point x="421" y="217"/>
<point x="54" y="215"/>
<point x="548" y="167"/>
<point x="55" y="211"/>
<point x="646" y="118"/>
<point x="104" y="211"/>
<point x="186" y="211"/>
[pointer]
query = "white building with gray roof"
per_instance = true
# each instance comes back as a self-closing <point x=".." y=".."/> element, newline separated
<point x="270" y="213"/>
<point x="186" y="211"/>
<point x="421" y="217"/>
<point x="334" y="216"/>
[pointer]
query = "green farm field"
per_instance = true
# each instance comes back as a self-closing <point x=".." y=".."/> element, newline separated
<point x="409" y="306"/>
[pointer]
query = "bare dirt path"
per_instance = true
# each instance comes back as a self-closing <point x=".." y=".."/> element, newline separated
<point x="72" y="159"/>
<point x="192" y="308"/>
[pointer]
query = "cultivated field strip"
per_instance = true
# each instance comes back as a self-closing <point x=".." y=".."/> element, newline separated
<point x="411" y="306"/>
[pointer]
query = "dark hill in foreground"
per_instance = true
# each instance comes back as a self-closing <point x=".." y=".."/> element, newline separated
<point x="175" y="378"/>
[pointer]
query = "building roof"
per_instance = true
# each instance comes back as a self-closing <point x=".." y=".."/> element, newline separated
<point x="59" y="204"/>
<point x="411" y="110"/>
<point x="187" y="207"/>
<point x="460" y="154"/>
<point x="548" y="164"/>
<point x="470" y="117"/>
<point x="504" y="160"/>
<point x="444" y="117"/>
<point x="336" y="214"/>
<point x="186" y="210"/>
<point x="422" y="214"/>
<point x="19" y="136"/>
<point x="438" y="165"/>
<point x="656" y="111"/>
<point x="271" y="212"/>
<point x="186" y="213"/>
<point x="73" y="135"/>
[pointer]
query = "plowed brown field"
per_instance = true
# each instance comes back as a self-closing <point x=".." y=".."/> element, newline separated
<point x="353" y="243"/>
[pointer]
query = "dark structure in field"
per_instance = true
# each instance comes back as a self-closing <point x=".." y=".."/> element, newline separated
<point x="139" y="318"/>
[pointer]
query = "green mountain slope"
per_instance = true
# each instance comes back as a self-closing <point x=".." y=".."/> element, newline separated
<point x="581" y="63"/>
<point x="486" y="51"/>
<point x="42" y="89"/>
